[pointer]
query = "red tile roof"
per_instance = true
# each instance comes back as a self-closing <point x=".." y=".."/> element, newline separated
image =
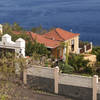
<point x="47" y="42"/>
<point x="53" y="38"/>
<point x="59" y="34"/>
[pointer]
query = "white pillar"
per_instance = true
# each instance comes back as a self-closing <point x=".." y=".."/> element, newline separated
<point x="56" y="79"/>
<point x="78" y="51"/>
<point x="95" y="82"/>
<point x="20" y="44"/>
<point x="84" y="48"/>
<point x="25" y="76"/>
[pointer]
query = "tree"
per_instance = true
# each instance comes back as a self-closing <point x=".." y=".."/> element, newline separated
<point x="39" y="48"/>
<point x="7" y="28"/>
<point x="35" y="47"/>
<point x="38" y="30"/>
<point x="29" y="48"/>
<point x="96" y="51"/>
<point x="78" y="62"/>
<point x="16" y="27"/>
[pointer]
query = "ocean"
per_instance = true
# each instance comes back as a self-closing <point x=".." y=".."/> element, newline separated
<point x="82" y="16"/>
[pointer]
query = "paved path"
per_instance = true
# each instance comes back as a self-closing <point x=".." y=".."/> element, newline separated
<point x="39" y="96"/>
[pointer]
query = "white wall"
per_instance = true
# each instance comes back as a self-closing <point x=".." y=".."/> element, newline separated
<point x="75" y="80"/>
<point x="41" y="71"/>
<point x="65" y="79"/>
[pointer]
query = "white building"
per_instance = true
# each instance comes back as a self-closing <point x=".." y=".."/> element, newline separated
<point x="18" y="46"/>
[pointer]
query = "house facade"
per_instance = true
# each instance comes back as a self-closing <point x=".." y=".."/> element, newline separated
<point x="68" y="41"/>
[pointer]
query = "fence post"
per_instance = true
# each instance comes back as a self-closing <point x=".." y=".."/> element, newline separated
<point x="84" y="48"/>
<point x="95" y="81"/>
<point x="56" y="79"/>
<point x="25" y="76"/>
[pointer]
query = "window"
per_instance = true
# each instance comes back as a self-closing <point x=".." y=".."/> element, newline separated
<point x="72" y="45"/>
<point x="72" y="42"/>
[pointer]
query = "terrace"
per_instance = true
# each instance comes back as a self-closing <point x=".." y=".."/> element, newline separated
<point x="85" y="47"/>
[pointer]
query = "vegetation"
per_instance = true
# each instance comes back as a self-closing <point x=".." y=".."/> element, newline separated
<point x="65" y="68"/>
<point x="10" y="72"/>
<point x="31" y="46"/>
<point x="39" y="30"/>
<point x="8" y="28"/>
<point x="34" y="47"/>
<point x="96" y="51"/>
<point x="81" y="43"/>
<point x="76" y="62"/>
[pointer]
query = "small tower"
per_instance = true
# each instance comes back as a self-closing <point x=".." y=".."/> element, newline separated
<point x="6" y="38"/>
<point x="20" y="44"/>
<point x="1" y="29"/>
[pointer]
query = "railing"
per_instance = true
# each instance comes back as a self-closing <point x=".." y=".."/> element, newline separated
<point x="85" y="48"/>
<point x="88" y="46"/>
<point x="82" y="50"/>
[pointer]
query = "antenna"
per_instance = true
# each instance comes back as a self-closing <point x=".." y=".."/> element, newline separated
<point x="71" y="30"/>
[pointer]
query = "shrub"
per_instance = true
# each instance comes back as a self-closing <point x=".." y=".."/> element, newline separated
<point x="78" y="62"/>
<point x="89" y="70"/>
<point x="65" y="68"/>
<point x="96" y="51"/>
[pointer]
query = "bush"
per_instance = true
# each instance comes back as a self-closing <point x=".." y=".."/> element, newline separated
<point x="89" y="70"/>
<point x="65" y="68"/>
<point x="78" y="62"/>
<point x="96" y="51"/>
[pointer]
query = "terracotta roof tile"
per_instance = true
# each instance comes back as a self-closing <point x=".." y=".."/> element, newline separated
<point x="45" y="41"/>
<point x="59" y="34"/>
<point x="53" y="38"/>
<point x="65" y="34"/>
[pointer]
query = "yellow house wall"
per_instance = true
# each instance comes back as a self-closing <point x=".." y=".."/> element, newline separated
<point x="76" y="44"/>
<point x="91" y="58"/>
<point x="76" y="47"/>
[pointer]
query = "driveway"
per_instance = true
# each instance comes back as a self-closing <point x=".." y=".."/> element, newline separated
<point x="48" y="97"/>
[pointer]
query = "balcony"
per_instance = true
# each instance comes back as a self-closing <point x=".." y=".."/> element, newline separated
<point x="85" y="47"/>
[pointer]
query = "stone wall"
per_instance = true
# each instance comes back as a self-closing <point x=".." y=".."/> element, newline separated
<point x="75" y="92"/>
<point x="40" y="83"/>
<point x="74" y="86"/>
<point x="98" y="91"/>
<point x="41" y="78"/>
